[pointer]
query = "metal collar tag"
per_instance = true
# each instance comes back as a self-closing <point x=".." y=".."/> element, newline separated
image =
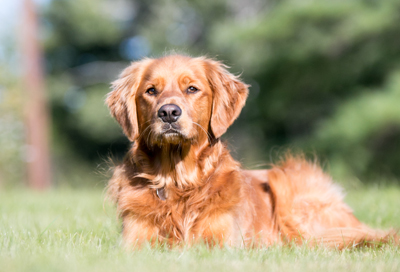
<point x="161" y="193"/>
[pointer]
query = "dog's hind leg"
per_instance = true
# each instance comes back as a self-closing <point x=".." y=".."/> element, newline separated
<point x="309" y="206"/>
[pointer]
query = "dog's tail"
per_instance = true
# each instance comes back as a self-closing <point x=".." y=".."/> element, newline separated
<point x="354" y="237"/>
<point x="309" y="208"/>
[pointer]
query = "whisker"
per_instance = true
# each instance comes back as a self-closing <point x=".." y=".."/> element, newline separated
<point x="141" y="134"/>
<point x="206" y="132"/>
<point x="148" y="136"/>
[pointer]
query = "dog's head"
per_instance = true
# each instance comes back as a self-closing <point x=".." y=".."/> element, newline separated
<point x="176" y="99"/>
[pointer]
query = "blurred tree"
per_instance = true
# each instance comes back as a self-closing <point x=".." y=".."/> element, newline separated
<point x="36" y="111"/>
<point x="82" y="41"/>
<point x="323" y="74"/>
<point x="317" y="64"/>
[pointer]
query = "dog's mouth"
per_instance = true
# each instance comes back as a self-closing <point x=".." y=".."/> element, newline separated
<point x="167" y="134"/>
<point x="169" y="129"/>
<point x="172" y="132"/>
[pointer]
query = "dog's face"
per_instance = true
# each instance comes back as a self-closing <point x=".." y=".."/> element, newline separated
<point x="173" y="101"/>
<point x="176" y="99"/>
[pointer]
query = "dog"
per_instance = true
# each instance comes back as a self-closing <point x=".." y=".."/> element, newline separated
<point x="179" y="185"/>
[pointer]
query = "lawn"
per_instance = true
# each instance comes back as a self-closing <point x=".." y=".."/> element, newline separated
<point x="75" y="230"/>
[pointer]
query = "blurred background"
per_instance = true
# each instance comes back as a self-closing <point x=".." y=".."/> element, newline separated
<point x="325" y="79"/>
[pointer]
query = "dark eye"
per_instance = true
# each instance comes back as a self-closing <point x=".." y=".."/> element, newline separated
<point x="192" y="89"/>
<point x="151" y="91"/>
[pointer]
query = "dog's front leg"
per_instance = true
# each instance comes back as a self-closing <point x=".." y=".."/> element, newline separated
<point x="218" y="229"/>
<point x="137" y="232"/>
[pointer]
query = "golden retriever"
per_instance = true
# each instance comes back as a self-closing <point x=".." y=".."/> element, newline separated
<point x="178" y="184"/>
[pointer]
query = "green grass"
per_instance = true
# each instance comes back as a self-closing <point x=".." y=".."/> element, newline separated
<point x="71" y="230"/>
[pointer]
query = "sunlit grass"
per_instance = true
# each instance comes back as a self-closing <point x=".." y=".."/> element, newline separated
<point x="73" y="231"/>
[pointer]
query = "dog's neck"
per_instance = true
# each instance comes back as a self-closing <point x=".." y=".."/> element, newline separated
<point x="181" y="166"/>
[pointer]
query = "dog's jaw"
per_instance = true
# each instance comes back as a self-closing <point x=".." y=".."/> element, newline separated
<point x="171" y="134"/>
<point x="161" y="135"/>
<point x="172" y="137"/>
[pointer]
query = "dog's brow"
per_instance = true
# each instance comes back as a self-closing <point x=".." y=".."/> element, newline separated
<point x="146" y="77"/>
<point x="189" y="76"/>
<point x="158" y="81"/>
<point x="186" y="79"/>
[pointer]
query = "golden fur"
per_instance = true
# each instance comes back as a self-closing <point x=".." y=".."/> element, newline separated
<point x="178" y="184"/>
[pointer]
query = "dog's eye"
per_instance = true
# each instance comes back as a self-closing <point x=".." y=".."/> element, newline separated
<point x="151" y="91"/>
<point x="192" y="89"/>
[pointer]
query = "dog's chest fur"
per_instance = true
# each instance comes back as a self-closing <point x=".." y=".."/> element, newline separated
<point x="185" y="213"/>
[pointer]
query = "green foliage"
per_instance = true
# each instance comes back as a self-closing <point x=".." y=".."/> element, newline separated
<point x="68" y="230"/>
<point x="314" y="64"/>
<point x="323" y="75"/>
<point x="12" y="146"/>
<point x="83" y="23"/>
<point x="366" y="131"/>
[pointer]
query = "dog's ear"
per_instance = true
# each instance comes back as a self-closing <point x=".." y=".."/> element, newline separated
<point x="229" y="96"/>
<point x="121" y="100"/>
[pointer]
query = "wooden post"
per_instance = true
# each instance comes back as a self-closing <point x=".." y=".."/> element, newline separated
<point x="36" y="111"/>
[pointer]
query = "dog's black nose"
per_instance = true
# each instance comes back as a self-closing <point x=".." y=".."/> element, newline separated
<point x="169" y="113"/>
